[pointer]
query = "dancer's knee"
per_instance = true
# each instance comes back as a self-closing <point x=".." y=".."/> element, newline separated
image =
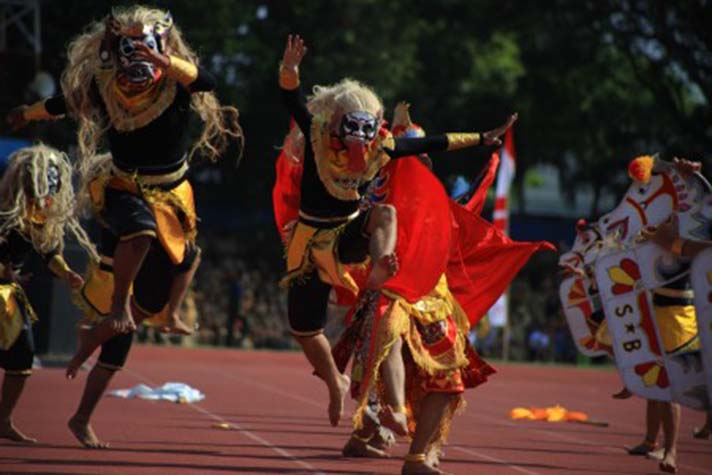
<point x="115" y="351"/>
<point x="382" y="216"/>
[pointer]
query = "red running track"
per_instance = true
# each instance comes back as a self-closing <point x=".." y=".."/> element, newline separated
<point x="278" y="413"/>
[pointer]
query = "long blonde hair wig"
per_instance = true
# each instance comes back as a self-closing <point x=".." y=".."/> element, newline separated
<point x="220" y="122"/>
<point x="25" y="190"/>
<point x="347" y="95"/>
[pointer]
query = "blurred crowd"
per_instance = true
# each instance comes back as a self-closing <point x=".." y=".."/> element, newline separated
<point x="237" y="302"/>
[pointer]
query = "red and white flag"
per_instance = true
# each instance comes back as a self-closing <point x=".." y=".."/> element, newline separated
<point x="507" y="170"/>
<point x="500" y="218"/>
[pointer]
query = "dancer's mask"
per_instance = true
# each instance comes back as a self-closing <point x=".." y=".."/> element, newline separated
<point x="135" y="69"/>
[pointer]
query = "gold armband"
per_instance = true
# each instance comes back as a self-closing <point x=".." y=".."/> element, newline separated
<point x="36" y="111"/>
<point x="58" y="265"/>
<point x="288" y="78"/>
<point x="677" y="246"/>
<point x="463" y="140"/>
<point x="182" y="71"/>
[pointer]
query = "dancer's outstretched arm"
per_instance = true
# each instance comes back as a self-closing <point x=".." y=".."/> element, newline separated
<point x="405" y="147"/>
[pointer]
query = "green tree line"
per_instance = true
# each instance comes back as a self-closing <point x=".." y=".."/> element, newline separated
<point x="596" y="82"/>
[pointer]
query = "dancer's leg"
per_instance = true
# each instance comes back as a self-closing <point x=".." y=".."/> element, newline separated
<point x="433" y="410"/>
<point x="705" y="431"/>
<point x="393" y="377"/>
<point x="12" y="387"/>
<point x="113" y="356"/>
<point x="358" y="444"/>
<point x="670" y="414"/>
<point x="316" y="349"/>
<point x="128" y="258"/>
<point x="179" y="288"/>
<point x="80" y="423"/>
<point x="382" y="227"/>
<point x="652" y="427"/>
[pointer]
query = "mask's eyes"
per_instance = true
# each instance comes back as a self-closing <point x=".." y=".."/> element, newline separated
<point x="351" y="125"/>
<point x="126" y="47"/>
<point x="368" y="128"/>
<point x="150" y="41"/>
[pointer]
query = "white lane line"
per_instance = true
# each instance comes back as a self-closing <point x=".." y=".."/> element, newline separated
<point x="239" y="428"/>
<point x="493" y="459"/>
<point x="568" y="438"/>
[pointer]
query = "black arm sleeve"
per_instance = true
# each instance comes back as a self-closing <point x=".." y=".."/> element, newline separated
<point x="56" y="105"/>
<point x="204" y="82"/>
<point x="296" y="104"/>
<point x="406" y="147"/>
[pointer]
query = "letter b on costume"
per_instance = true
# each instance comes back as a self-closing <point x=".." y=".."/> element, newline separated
<point x="632" y="345"/>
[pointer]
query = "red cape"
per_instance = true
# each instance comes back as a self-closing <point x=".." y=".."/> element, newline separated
<point x="435" y="235"/>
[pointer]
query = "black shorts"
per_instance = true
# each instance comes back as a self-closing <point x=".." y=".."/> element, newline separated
<point x="127" y="215"/>
<point x="307" y="298"/>
<point x="152" y="285"/>
<point x="18" y="358"/>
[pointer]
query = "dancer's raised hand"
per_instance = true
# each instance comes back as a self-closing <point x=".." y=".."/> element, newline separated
<point x="152" y="56"/>
<point x="492" y="137"/>
<point x="294" y="52"/>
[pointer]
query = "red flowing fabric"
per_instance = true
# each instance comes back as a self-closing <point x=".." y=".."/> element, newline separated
<point x="286" y="193"/>
<point x="477" y="202"/>
<point x="435" y="235"/>
<point x="483" y="261"/>
<point x="424" y="226"/>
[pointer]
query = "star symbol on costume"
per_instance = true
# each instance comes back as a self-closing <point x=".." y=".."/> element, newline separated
<point x="630" y="328"/>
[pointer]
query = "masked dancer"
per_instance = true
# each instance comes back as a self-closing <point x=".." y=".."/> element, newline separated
<point x="346" y="146"/>
<point x="133" y="80"/>
<point x="36" y="211"/>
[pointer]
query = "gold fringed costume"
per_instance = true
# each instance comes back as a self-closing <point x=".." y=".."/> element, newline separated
<point x="437" y="355"/>
<point x="14" y="310"/>
<point x="310" y="248"/>
<point x="173" y="210"/>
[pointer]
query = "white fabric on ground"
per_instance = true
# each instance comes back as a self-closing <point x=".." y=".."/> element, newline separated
<point x="172" y="392"/>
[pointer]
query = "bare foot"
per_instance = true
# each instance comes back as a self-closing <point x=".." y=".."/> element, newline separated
<point x="395" y="421"/>
<point x="622" y="394"/>
<point x="84" y="433"/>
<point x="385" y="268"/>
<point x="419" y="468"/>
<point x="643" y="448"/>
<point x="432" y="456"/>
<point x="123" y="321"/>
<point x="701" y="432"/>
<point x="383" y="439"/>
<point x="336" y="400"/>
<point x="658" y="454"/>
<point x="9" y="431"/>
<point x="358" y="448"/>
<point x="177" y="327"/>
<point x="669" y="463"/>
